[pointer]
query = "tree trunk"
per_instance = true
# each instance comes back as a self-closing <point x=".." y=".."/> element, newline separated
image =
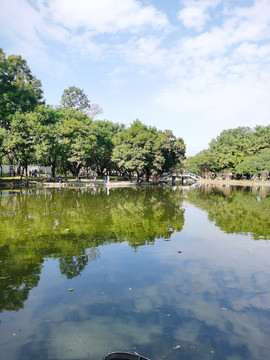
<point x="26" y="174"/>
<point x="147" y="176"/>
<point x="77" y="168"/>
<point x="53" y="170"/>
<point x="100" y="171"/>
<point x="18" y="169"/>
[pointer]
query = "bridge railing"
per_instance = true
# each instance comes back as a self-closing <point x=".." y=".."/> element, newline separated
<point x="186" y="175"/>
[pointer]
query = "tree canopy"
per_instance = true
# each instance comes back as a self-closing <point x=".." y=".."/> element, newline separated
<point x="19" y="89"/>
<point x="145" y="150"/>
<point x="75" y="98"/>
<point x="241" y="151"/>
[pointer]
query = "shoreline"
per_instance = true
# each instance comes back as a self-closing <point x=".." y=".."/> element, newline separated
<point x="235" y="182"/>
<point x="113" y="184"/>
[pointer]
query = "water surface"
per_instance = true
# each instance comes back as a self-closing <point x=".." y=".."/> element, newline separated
<point x="171" y="274"/>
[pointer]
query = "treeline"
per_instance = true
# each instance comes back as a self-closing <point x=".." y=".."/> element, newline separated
<point x="68" y="137"/>
<point x="236" y="152"/>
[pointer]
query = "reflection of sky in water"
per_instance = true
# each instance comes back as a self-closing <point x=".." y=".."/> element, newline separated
<point x="198" y="304"/>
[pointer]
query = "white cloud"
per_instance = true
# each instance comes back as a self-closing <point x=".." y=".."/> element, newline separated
<point x="216" y="78"/>
<point x="220" y="78"/>
<point x="19" y="21"/>
<point x="103" y="16"/>
<point x="83" y="27"/>
<point x="145" y="50"/>
<point x="194" y="14"/>
<point x="226" y="103"/>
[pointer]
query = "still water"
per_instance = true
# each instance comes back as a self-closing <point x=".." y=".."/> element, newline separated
<point x="168" y="273"/>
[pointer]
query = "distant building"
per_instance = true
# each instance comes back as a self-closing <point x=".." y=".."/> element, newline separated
<point x="12" y="169"/>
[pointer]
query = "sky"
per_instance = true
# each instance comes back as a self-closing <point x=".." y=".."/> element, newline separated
<point x="196" y="67"/>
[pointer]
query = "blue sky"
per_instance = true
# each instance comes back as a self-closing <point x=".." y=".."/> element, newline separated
<point x="195" y="67"/>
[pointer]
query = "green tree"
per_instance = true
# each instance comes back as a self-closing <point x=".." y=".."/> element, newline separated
<point x="261" y="137"/>
<point x="169" y="152"/>
<point x="3" y="135"/>
<point x="254" y="164"/>
<point x="19" y="89"/>
<point x="75" y="98"/>
<point x="100" y="155"/>
<point x="45" y="126"/>
<point x="145" y="150"/>
<point x="203" y="162"/>
<point x="134" y="149"/>
<point x="75" y="138"/>
<point x="230" y="147"/>
<point x="20" y="139"/>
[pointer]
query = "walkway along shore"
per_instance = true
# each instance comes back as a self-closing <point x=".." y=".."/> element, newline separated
<point x="113" y="184"/>
<point x="235" y="182"/>
<point x="89" y="183"/>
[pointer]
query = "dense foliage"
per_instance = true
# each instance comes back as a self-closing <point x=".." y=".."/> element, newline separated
<point x="19" y="89"/>
<point x="240" y="151"/>
<point x="145" y="150"/>
<point x="75" y="98"/>
<point x="67" y="138"/>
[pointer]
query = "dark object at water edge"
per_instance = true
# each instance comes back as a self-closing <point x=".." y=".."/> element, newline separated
<point x="124" y="356"/>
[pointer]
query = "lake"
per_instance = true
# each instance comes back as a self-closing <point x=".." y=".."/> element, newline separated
<point x="169" y="273"/>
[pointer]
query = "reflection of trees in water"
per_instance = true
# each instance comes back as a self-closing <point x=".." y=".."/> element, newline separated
<point x="236" y="209"/>
<point x="147" y="215"/>
<point x="17" y="278"/>
<point x="142" y="214"/>
<point x="36" y="224"/>
<point x="72" y="266"/>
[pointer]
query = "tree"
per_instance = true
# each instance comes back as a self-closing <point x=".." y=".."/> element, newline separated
<point x="230" y="147"/>
<point x="75" y="98"/>
<point x="255" y="164"/>
<point x="232" y="150"/>
<point x="94" y="110"/>
<point x="19" y="89"/>
<point x="145" y="150"/>
<point x="201" y="163"/>
<point x="20" y="139"/>
<point x="169" y="152"/>
<point x="45" y="126"/>
<point x="100" y="155"/>
<point x="75" y="138"/>
<point x="133" y="149"/>
<point x="261" y="137"/>
<point x="3" y="135"/>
